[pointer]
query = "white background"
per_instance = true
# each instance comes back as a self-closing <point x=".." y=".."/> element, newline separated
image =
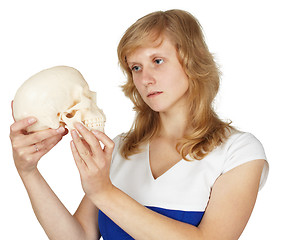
<point x="246" y="37"/>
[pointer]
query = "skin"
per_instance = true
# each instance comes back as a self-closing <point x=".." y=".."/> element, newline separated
<point x="232" y="198"/>
<point x="151" y="64"/>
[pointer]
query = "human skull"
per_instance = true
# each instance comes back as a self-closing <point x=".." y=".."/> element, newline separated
<point x="55" y="96"/>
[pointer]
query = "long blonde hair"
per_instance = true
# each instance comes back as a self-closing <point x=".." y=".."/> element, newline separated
<point x="207" y="130"/>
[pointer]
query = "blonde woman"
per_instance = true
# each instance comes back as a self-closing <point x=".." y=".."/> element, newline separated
<point x="179" y="173"/>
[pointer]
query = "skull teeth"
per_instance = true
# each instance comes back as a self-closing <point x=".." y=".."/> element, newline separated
<point x="94" y="124"/>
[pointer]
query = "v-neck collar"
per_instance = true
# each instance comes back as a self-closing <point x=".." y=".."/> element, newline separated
<point x="163" y="175"/>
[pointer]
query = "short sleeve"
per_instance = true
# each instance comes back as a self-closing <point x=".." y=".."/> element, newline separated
<point x="245" y="147"/>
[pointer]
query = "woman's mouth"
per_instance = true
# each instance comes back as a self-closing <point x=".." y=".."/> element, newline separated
<point x="153" y="94"/>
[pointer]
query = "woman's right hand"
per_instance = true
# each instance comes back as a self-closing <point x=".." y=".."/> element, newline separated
<point x="28" y="148"/>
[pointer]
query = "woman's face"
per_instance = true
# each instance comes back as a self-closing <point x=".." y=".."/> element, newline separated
<point x="159" y="77"/>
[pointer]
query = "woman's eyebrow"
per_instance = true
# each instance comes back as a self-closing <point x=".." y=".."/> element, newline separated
<point x="130" y="64"/>
<point x="152" y="55"/>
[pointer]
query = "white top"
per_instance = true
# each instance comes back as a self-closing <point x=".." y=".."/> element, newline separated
<point x="187" y="185"/>
<point x="182" y="193"/>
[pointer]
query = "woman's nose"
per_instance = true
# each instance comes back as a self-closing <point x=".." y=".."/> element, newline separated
<point x="148" y="76"/>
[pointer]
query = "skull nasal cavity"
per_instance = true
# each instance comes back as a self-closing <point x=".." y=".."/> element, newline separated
<point x="71" y="114"/>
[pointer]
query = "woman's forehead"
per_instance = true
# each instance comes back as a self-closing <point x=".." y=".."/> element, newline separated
<point x="149" y="42"/>
<point x="162" y="45"/>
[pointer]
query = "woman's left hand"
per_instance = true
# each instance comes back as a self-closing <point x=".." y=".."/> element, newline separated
<point x="92" y="160"/>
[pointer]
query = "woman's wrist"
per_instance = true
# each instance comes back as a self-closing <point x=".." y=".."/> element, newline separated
<point x="99" y="200"/>
<point x="26" y="174"/>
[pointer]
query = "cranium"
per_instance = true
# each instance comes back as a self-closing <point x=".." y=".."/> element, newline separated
<point x="55" y="96"/>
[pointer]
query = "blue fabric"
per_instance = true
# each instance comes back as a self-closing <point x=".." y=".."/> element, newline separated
<point x="111" y="231"/>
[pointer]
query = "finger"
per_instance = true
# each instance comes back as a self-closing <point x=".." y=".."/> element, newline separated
<point x="21" y="125"/>
<point x="66" y="132"/>
<point x="82" y="150"/>
<point x="47" y="144"/>
<point x="89" y="138"/>
<point x="35" y="152"/>
<point x="40" y="149"/>
<point x="87" y="146"/>
<point x="21" y="140"/>
<point x="78" y="160"/>
<point x="107" y="142"/>
<point x="40" y="136"/>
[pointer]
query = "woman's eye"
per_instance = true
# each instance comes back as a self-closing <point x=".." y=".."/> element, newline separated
<point x="159" y="61"/>
<point x="136" y="68"/>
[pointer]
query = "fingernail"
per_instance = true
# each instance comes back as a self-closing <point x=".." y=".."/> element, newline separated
<point x="74" y="133"/>
<point x="31" y="120"/>
<point x="78" y="125"/>
<point x="60" y="130"/>
<point x="95" y="132"/>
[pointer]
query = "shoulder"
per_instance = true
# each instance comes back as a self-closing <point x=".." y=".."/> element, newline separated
<point x="243" y="147"/>
<point x="238" y="137"/>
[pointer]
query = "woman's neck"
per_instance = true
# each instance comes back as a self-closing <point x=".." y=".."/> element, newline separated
<point x="173" y="125"/>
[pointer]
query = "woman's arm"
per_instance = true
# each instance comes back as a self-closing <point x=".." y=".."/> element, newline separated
<point x="87" y="216"/>
<point x="55" y="219"/>
<point x="232" y="200"/>
<point x="230" y="206"/>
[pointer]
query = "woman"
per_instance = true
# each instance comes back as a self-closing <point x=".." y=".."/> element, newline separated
<point x="179" y="173"/>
